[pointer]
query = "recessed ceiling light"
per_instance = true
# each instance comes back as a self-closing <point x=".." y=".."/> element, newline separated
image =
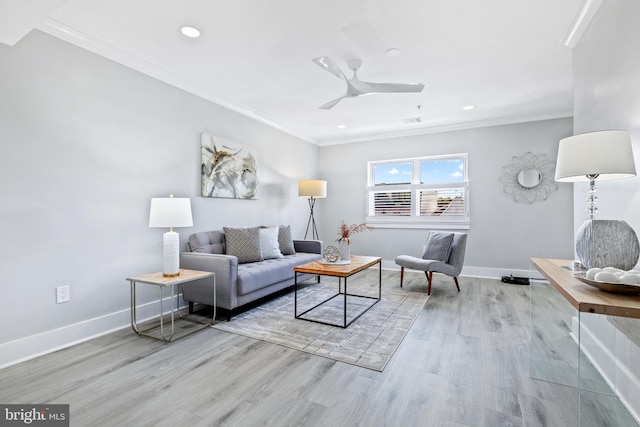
<point x="190" y="31"/>
<point x="342" y="126"/>
<point x="468" y="107"/>
<point x="394" y="51"/>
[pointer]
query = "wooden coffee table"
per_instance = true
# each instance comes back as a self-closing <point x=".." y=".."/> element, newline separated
<point x="342" y="272"/>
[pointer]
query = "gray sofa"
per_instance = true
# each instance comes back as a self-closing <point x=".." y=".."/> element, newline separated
<point x="240" y="283"/>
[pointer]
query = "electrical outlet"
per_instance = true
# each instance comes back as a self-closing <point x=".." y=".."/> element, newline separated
<point x="62" y="294"/>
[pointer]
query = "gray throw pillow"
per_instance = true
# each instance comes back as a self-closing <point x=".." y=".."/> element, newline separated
<point x="285" y="240"/>
<point x="438" y="246"/>
<point x="243" y="243"/>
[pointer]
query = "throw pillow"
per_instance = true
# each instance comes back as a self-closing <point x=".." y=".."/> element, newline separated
<point x="438" y="246"/>
<point x="269" y="243"/>
<point x="244" y="243"/>
<point x="285" y="240"/>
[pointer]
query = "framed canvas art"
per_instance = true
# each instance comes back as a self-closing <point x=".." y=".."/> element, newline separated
<point x="229" y="169"/>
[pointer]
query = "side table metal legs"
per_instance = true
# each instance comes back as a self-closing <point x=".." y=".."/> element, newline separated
<point x="134" y="320"/>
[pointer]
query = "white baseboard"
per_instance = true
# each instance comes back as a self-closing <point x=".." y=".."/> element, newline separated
<point x="469" y="271"/>
<point x="23" y="349"/>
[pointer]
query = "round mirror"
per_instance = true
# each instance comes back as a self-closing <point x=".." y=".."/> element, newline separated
<point x="529" y="178"/>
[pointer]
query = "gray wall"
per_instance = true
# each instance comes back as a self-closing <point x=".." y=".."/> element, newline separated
<point x="503" y="234"/>
<point x="607" y="96"/>
<point x="86" y="143"/>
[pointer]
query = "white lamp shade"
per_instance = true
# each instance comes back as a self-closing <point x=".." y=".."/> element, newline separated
<point x="312" y="188"/>
<point x="170" y="212"/>
<point x="606" y="153"/>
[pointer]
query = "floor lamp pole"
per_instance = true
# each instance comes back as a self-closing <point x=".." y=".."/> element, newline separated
<point x="312" y="220"/>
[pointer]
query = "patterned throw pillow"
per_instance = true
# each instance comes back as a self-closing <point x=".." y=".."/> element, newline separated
<point x="285" y="240"/>
<point x="269" y="243"/>
<point x="244" y="243"/>
<point x="438" y="246"/>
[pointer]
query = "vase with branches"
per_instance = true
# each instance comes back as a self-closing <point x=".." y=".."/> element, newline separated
<point x="344" y="237"/>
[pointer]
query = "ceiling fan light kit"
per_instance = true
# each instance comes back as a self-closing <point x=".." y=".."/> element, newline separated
<point x="357" y="87"/>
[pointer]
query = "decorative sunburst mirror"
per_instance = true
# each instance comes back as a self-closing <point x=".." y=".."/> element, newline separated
<point x="529" y="178"/>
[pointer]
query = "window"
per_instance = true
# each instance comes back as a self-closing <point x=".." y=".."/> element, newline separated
<point x="419" y="192"/>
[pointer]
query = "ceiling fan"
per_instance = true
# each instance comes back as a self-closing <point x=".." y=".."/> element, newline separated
<point x="357" y="87"/>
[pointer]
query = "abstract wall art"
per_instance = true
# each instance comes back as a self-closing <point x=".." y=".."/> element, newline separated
<point x="229" y="169"/>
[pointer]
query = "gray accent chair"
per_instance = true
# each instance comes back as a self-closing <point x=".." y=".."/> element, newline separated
<point x="452" y="267"/>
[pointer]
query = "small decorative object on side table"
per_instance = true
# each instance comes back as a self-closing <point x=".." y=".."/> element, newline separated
<point x="162" y="282"/>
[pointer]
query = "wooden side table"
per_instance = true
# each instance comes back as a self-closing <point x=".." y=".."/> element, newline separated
<point x="162" y="282"/>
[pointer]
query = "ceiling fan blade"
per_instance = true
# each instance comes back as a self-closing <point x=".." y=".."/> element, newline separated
<point x="326" y="63"/>
<point x="393" y="87"/>
<point x="329" y="105"/>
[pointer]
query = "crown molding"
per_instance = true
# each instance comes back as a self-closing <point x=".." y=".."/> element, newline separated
<point x="447" y="128"/>
<point x="59" y="30"/>
<point x="574" y="33"/>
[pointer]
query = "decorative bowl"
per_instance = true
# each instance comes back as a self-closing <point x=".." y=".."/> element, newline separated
<point x="615" y="288"/>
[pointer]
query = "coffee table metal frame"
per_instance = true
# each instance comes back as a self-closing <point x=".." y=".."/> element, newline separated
<point x="342" y="272"/>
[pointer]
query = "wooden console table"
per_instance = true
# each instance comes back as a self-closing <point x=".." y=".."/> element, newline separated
<point x="575" y="343"/>
<point x="583" y="297"/>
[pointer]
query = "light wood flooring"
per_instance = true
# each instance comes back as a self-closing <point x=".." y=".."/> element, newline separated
<point x="465" y="362"/>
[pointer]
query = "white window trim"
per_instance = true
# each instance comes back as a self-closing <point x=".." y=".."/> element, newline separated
<point x="416" y="221"/>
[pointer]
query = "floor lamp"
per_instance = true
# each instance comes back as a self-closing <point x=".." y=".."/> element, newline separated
<point x="312" y="189"/>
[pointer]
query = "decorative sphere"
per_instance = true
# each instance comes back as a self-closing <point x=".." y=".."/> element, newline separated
<point x="331" y="253"/>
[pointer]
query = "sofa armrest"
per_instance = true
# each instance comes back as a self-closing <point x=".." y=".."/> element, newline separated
<point x="309" y="246"/>
<point x="225" y="268"/>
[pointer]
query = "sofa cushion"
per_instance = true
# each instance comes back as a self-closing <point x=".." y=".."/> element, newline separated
<point x="243" y="243"/>
<point x="285" y="240"/>
<point x="208" y="242"/>
<point x="258" y="275"/>
<point x="269" y="243"/>
<point x="438" y="246"/>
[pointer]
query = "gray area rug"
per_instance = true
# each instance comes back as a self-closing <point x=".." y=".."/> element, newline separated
<point x="369" y="342"/>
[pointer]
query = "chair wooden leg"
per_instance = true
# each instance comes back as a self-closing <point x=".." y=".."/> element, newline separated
<point x="455" y="279"/>
<point x="401" y="275"/>
<point x="429" y="278"/>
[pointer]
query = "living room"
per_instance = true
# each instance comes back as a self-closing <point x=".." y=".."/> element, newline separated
<point x="88" y="142"/>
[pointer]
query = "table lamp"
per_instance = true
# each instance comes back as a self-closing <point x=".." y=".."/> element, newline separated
<point x="312" y="189"/>
<point x="170" y="212"/>
<point x="601" y="155"/>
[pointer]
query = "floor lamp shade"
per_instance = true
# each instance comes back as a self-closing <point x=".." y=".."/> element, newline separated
<point x="169" y="212"/>
<point x="315" y="188"/>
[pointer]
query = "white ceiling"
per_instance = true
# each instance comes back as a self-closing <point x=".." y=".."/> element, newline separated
<point x="505" y="57"/>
